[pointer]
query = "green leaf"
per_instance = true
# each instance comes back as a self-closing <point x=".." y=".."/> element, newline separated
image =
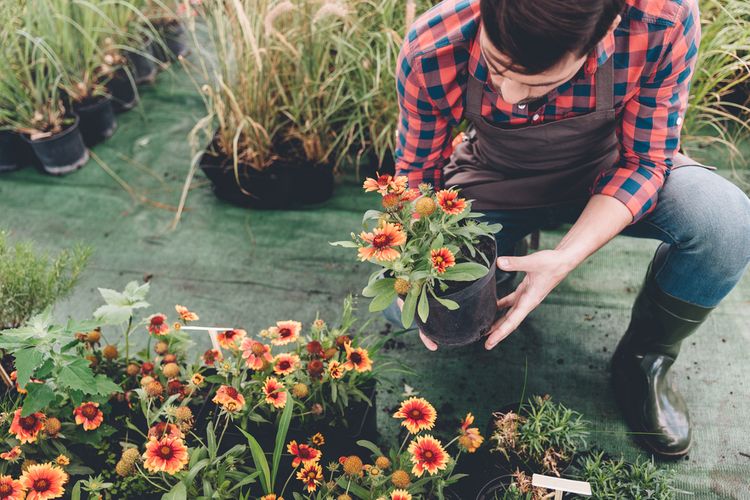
<point x="382" y="301"/>
<point x="27" y="361"/>
<point x="259" y="459"/>
<point x="354" y="488"/>
<point x="38" y="398"/>
<point x="437" y="242"/>
<point x="75" y="493"/>
<point x="178" y="492"/>
<point x="410" y="307"/>
<point x="424" y="306"/>
<point x="371" y="214"/>
<point x="78" y="376"/>
<point x="105" y="386"/>
<point x="286" y="418"/>
<point x="465" y="271"/>
<point x="449" y="304"/>
<point x="211" y="440"/>
<point x="370" y="446"/>
<point x="378" y="287"/>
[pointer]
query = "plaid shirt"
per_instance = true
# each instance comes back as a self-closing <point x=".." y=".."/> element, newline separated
<point x="654" y="49"/>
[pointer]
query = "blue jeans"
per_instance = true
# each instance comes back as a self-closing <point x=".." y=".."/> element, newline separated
<point x="703" y="218"/>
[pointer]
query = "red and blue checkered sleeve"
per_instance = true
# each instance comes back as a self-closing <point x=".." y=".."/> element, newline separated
<point x="424" y="131"/>
<point x="652" y="119"/>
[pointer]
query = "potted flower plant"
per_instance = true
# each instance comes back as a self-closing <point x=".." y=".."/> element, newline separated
<point x="434" y="255"/>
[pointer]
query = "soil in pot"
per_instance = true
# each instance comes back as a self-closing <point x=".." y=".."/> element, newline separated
<point x="175" y="43"/>
<point x="142" y="65"/>
<point x="122" y="89"/>
<point x="285" y="184"/>
<point x="61" y="153"/>
<point x="9" y="151"/>
<point x="477" y="302"/>
<point x="97" y="119"/>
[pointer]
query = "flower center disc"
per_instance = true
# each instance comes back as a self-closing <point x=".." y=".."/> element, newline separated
<point x="416" y="414"/>
<point x="5" y="489"/>
<point x="428" y="454"/>
<point x="166" y="451"/>
<point x="41" y="485"/>
<point x="28" y="422"/>
<point x="89" y="411"/>
<point x="380" y="240"/>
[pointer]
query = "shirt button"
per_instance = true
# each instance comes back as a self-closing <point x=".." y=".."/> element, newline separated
<point x="521" y="106"/>
<point x="535" y="118"/>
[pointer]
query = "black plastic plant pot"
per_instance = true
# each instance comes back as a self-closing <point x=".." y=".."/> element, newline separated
<point x="9" y="151"/>
<point x="477" y="302"/>
<point x="61" y="153"/>
<point x="494" y="488"/>
<point x="280" y="186"/>
<point x="123" y="91"/>
<point x="97" y="119"/>
<point x="143" y="67"/>
<point x="174" y="42"/>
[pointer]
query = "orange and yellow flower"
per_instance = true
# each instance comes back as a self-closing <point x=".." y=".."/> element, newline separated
<point x="164" y="429"/>
<point x="303" y="454"/>
<point x="271" y="496"/>
<point x="336" y="370"/>
<point x="230" y="339"/>
<point x="255" y="353"/>
<point x="357" y="359"/>
<point x="274" y="392"/>
<point x="167" y="454"/>
<point x="10" y="489"/>
<point x="442" y="259"/>
<point x="381" y="242"/>
<point x="229" y="398"/>
<point x="417" y="414"/>
<point x="185" y="314"/>
<point x="285" y="363"/>
<point x="211" y="356"/>
<point x="470" y="439"/>
<point x="26" y="429"/>
<point x="285" y="332"/>
<point x="427" y="454"/>
<point x="89" y="415"/>
<point x="157" y="324"/>
<point x="400" y="495"/>
<point x="44" y="481"/>
<point x="11" y="455"/>
<point x="449" y="202"/>
<point x="311" y="475"/>
<point x="385" y="184"/>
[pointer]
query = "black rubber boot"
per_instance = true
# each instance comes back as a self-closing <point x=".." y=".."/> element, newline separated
<point x="652" y="406"/>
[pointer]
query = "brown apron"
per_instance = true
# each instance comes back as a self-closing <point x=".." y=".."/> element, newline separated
<point x="537" y="166"/>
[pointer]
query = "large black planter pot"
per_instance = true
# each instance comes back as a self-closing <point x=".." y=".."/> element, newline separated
<point x="374" y="166"/>
<point x="61" y="153"/>
<point x="10" y="145"/>
<point x="98" y="120"/>
<point x="143" y="67"/>
<point x="123" y="91"/>
<point x="477" y="307"/>
<point x="174" y="41"/>
<point x="282" y="185"/>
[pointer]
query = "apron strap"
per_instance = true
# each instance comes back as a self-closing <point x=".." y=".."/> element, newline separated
<point x="474" y="93"/>
<point x="605" y="86"/>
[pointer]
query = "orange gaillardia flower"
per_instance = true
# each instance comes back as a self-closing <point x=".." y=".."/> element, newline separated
<point x="470" y="438"/>
<point x="311" y="475"/>
<point x="89" y="415"/>
<point x="442" y="259"/>
<point x="230" y="339"/>
<point x="285" y="363"/>
<point x="157" y="324"/>
<point x="11" y="455"/>
<point x="185" y="313"/>
<point x="449" y="202"/>
<point x="382" y="241"/>
<point x="167" y="454"/>
<point x="164" y="429"/>
<point x="10" y="489"/>
<point x="229" y="399"/>
<point x="418" y="415"/>
<point x="285" y="332"/>
<point x="27" y="428"/>
<point x="357" y="359"/>
<point x="400" y="495"/>
<point x="303" y="454"/>
<point x="44" y="481"/>
<point x="336" y="370"/>
<point x="427" y="454"/>
<point x="211" y="356"/>
<point x="271" y="496"/>
<point x="255" y="353"/>
<point x="385" y="184"/>
<point x="274" y="392"/>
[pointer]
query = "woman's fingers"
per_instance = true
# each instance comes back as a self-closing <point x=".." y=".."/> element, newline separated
<point x="428" y="343"/>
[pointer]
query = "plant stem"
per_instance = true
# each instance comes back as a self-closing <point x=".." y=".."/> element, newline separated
<point x="404" y="442"/>
<point x="127" y="340"/>
<point x="286" y="483"/>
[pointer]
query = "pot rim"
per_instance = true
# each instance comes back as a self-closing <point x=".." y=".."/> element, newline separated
<point x="70" y="129"/>
<point x="98" y="102"/>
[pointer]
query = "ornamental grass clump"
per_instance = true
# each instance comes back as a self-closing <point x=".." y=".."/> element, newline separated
<point x="612" y="478"/>
<point x="425" y="241"/>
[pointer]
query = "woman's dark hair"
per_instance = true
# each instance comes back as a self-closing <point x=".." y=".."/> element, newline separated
<point x="536" y="34"/>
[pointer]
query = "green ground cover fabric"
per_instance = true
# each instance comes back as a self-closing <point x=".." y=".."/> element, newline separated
<point x="250" y="268"/>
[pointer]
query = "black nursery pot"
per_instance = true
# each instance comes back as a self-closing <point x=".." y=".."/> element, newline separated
<point x="97" y="119"/>
<point x="477" y="306"/>
<point x="143" y="68"/>
<point x="282" y="185"/>
<point x="123" y="92"/>
<point x="61" y="153"/>
<point x="175" y="42"/>
<point x="9" y="151"/>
